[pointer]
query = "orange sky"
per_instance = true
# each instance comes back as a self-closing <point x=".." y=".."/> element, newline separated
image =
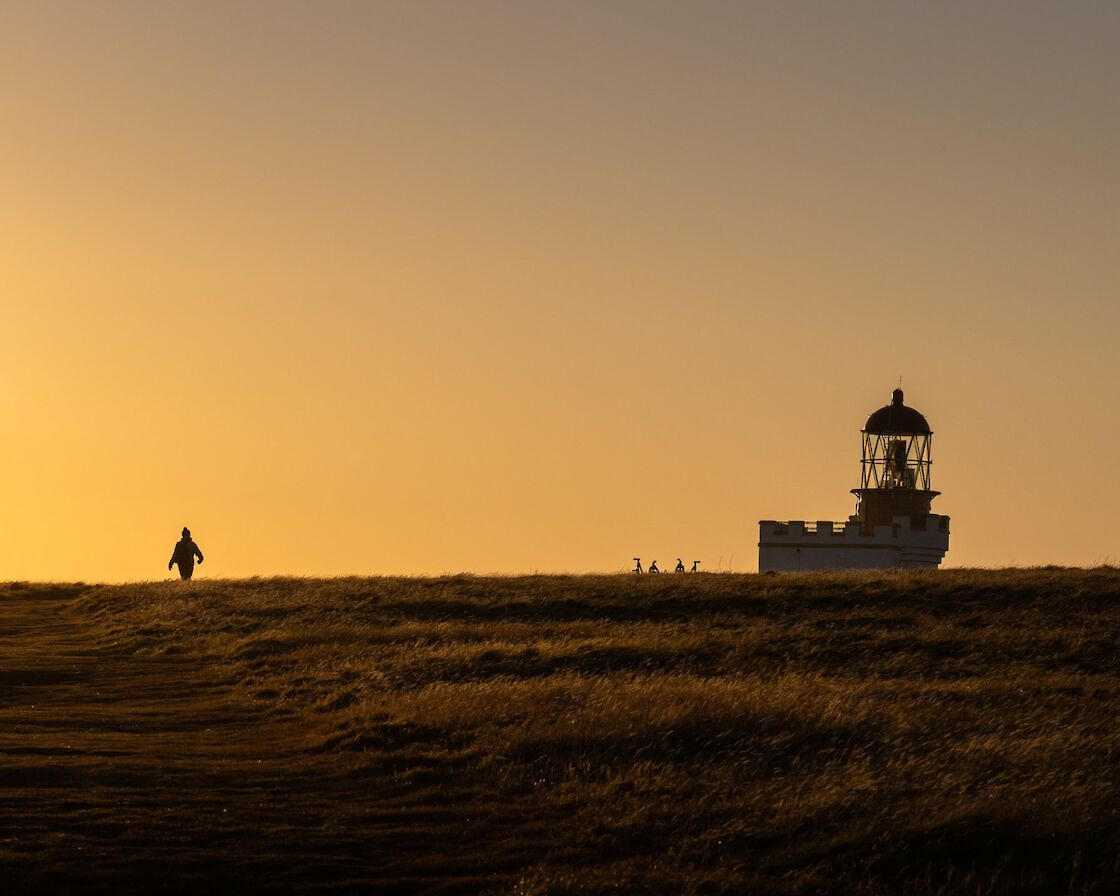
<point x="422" y="288"/>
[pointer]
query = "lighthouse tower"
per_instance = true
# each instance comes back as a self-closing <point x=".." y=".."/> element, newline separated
<point x="893" y="525"/>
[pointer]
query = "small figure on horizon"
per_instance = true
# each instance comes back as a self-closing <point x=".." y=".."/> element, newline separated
<point x="638" y="565"/>
<point x="680" y="566"/>
<point x="695" y="566"/>
<point x="653" y="567"/>
<point x="185" y="552"/>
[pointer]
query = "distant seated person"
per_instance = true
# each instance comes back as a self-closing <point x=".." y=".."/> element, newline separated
<point x="653" y="567"/>
<point x="185" y="552"/>
<point x="680" y="566"/>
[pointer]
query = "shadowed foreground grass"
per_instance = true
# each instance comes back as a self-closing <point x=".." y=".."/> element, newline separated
<point x="947" y="732"/>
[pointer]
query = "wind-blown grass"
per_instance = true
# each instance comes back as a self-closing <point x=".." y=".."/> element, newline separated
<point x="943" y="732"/>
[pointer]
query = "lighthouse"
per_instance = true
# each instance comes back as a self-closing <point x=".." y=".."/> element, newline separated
<point x="893" y="525"/>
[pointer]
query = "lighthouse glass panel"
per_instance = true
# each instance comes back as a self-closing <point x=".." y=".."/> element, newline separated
<point x="896" y="460"/>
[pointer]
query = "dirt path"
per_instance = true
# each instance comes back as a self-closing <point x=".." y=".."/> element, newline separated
<point x="123" y="773"/>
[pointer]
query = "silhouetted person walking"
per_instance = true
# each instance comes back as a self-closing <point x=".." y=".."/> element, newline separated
<point x="185" y="552"/>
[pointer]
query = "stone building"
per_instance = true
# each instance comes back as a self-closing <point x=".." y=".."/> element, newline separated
<point x="893" y="525"/>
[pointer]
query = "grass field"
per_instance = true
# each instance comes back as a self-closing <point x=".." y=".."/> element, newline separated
<point x="918" y="733"/>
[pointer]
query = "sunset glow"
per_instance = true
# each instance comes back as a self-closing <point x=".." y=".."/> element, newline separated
<point x="503" y="287"/>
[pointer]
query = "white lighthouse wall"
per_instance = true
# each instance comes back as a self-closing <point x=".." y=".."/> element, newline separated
<point x="799" y="547"/>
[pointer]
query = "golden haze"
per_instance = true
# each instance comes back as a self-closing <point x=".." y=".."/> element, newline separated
<point x="502" y="287"/>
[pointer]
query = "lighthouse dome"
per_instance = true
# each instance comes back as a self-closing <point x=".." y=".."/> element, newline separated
<point x="897" y="419"/>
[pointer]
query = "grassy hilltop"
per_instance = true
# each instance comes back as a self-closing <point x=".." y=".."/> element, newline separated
<point x="945" y="732"/>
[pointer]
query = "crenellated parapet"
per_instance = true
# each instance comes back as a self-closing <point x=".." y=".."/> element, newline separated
<point x="797" y="545"/>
